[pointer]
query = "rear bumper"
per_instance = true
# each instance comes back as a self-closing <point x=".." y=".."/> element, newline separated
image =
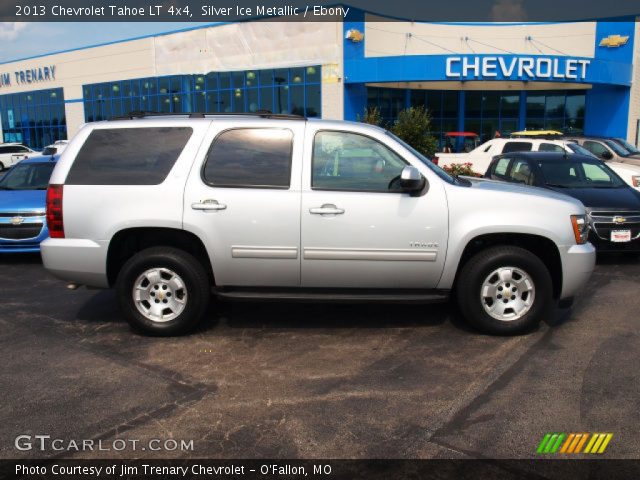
<point x="76" y="260"/>
<point x="578" y="262"/>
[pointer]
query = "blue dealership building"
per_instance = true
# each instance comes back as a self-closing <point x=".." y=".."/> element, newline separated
<point x="487" y="78"/>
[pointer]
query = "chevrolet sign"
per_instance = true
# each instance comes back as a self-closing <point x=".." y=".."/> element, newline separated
<point x="614" y="41"/>
<point x="522" y="68"/>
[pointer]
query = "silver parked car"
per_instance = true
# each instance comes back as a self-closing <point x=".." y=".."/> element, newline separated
<point x="168" y="209"/>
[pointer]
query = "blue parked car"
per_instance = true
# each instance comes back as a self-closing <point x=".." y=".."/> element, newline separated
<point x="23" y="191"/>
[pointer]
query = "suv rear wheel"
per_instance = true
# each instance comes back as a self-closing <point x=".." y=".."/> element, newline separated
<point x="504" y="290"/>
<point x="163" y="291"/>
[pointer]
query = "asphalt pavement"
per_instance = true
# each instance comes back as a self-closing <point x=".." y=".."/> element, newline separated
<point x="279" y="380"/>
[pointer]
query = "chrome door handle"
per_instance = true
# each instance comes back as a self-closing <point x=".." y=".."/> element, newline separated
<point x="327" y="209"/>
<point x="208" y="204"/>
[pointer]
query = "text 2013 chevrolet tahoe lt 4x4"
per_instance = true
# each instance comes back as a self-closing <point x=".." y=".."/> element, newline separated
<point x="167" y="209"/>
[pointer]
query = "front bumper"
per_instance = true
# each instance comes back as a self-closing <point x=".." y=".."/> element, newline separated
<point x="578" y="262"/>
<point x="76" y="260"/>
<point x="25" y="245"/>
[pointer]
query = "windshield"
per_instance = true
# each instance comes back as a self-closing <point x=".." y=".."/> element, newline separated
<point x="627" y="145"/>
<point x="579" y="174"/>
<point x="616" y="147"/>
<point x="575" y="148"/>
<point x="432" y="166"/>
<point x="28" y="176"/>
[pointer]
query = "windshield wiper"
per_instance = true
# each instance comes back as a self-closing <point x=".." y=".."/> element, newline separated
<point x="5" y="188"/>
<point x="556" y="185"/>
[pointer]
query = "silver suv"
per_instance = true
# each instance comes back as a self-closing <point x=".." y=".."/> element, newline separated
<point x="168" y="209"/>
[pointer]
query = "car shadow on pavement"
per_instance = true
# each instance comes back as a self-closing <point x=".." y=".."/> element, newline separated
<point x="618" y="259"/>
<point x="20" y="258"/>
<point x="329" y="315"/>
<point x="101" y="307"/>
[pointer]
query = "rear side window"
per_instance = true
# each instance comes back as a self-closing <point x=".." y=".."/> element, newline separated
<point x="250" y="157"/>
<point x="500" y="169"/>
<point x="516" y="147"/>
<point x="128" y="156"/>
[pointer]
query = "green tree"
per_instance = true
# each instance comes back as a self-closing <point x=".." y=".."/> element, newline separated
<point x="371" y="116"/>
<point x="414" y="127"/>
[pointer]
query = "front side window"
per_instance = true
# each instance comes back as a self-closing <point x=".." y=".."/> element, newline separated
<point x="516" y="147"/>
<point x="521" y="172"/>
<point x="250" y="157"/>
<point x="353" y="162"/>
<point x="596" y="148"/>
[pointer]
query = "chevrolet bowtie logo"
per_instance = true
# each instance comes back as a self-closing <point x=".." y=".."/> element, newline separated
<point x="619" y="219"/>
<point x="614" y="41"/>
<point x="16" y="220"/>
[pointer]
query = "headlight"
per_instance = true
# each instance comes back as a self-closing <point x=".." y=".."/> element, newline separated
<point x="635" y="180"/>
<point x="580" y="228"/>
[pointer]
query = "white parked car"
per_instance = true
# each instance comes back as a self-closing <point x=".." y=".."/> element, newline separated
<point x="480" y="157"/>
<point x="56" y="148"/>
<point x="12" y="153"/>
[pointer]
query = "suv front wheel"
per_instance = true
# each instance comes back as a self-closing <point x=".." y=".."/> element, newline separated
<point x="504" y="290"/>
<point x="163" y="291"/>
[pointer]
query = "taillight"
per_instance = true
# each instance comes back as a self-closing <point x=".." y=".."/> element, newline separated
<point x="435" y="160"/>
<point x="54" y="211"/>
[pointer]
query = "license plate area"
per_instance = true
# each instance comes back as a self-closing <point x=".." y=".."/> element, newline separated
<point x="620" y="236"/>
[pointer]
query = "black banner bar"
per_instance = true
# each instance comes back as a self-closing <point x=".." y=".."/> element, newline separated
<point x="321" y="469"/>
<point x="311" y="11"/>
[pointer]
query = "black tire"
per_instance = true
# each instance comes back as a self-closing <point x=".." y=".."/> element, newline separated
<point x="190" y="271"/>
<point x="1" y="167"/>
<point x="480" y="266"/>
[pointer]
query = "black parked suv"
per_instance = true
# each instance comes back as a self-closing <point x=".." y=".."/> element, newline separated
<point x="613" y="207"/>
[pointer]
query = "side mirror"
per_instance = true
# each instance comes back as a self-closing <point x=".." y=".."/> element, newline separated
<point x="411" y="180"/>
<point x="607" y="155"/>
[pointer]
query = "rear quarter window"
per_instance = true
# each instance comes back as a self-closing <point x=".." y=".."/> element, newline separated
<point x="516" y="147"/>
<point x="128" y="156"/>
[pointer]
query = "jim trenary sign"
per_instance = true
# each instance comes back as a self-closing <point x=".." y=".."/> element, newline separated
<point x="27" y="76"/>
<point x="520" y="68"/>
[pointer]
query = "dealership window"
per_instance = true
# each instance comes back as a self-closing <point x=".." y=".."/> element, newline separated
<point x="35" y="118"/>
<point x="563" y="111"/>
<point x="284" y="90"/>
<point x="441" y="105"/>
<point x="487" y="113"/>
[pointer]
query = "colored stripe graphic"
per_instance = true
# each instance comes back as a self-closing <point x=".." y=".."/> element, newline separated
<point x="573" y="443"/>
<point x="582" y="442"/>
<point x="543" y="443"/>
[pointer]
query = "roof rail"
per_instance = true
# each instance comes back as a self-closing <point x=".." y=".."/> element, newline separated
<point x="260" y="114"/>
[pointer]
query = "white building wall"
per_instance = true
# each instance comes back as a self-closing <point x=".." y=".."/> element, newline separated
<point x="384" y="38"/>
<point x="634" y="102"/>
<point x="239" y="46"/>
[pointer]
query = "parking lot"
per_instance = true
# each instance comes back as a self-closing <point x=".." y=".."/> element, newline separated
<point x="316" y="380"/>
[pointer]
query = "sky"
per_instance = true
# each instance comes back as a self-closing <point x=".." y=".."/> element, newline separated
<point x="22" y="40"/>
